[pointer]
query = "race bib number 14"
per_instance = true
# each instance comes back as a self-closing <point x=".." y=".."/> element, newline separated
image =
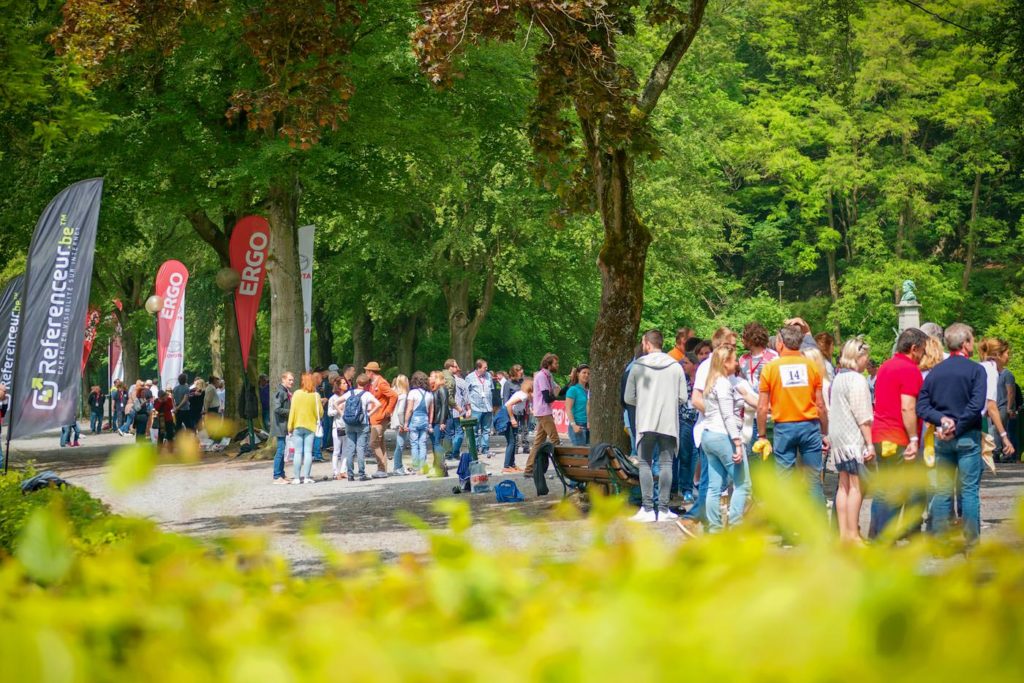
<point x="793" y="375"/>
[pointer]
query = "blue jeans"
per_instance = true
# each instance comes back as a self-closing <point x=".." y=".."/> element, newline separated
<point x="884" y="511"/>
<point x="418" y="429"/>
<point x="962" y="453"/>
<point x="437" y="436"/>
<point x="327" y="423"/>
<point x="282" y="443"/>
<point x="719" y="450"/>
<point x="95" y="422"/>
<point x="303" y="440"/>
<point x="803" y="439"/>
<point x="356" y="440"/>
<point x="697" y="511"/>
<point x="129" y="420"/>
<point x="580" y="439"/>
<point x="316" y="449"/>
<point x="399" y="447"/>
<point x="483" y="430"/>
<point x="630" y="420"/>
<point x="456" y="434"/>
<point x="66" y="432"/>
<point x="511" y="437"/>
<point x="682" y="477"/>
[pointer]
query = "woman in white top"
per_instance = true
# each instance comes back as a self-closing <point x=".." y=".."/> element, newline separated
<point x="995" y="354"/>
<point x="524" y="396"/>
<point x="418" y="418"/>
<point x="722" y="440"/>
<point x="849" y="433"/>
<point x="401" y="387"/>
<point x="335" y="409"/>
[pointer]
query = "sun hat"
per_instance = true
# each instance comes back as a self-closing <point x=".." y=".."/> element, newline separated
<point x="372" y="366"/>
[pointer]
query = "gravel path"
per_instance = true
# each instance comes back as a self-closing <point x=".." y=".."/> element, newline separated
<point x="221" y="495"/>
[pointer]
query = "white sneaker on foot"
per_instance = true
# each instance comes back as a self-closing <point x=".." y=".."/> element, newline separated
<point x="667" y="516"/>
<point x="296" y="481"/>
<point x="644" y="516"/>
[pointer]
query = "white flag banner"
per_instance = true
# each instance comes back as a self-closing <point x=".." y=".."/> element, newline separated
<point x="174" y="357"/>
<point x="116" y="363"/>
<point x="306" y="270"/>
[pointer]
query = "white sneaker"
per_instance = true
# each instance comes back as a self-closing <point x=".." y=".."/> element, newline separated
<point x="667" y="516"/>
<point x="296" y="481"/>
<point x="644" y="516"/>
<point x="309" y="480"/>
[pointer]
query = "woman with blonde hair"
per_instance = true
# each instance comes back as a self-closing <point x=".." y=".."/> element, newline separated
<point x="722" y="440"/>
<point x="303" y="417"/>
<point x="849" y="433"/>
<point x="401" y="387"/>
<point x="933" y="355"/>
<point x="995" y="355"/>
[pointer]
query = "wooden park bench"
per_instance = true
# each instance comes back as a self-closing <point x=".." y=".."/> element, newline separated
<point x="572" y="466"/>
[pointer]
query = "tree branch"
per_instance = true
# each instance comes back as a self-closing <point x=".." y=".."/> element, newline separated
<point x="209" y="232"/>
<point x="666" y="65"/>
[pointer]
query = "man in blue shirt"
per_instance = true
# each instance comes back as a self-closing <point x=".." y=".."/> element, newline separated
<point x="952" y="398"/>
<point x="480" y="385"/>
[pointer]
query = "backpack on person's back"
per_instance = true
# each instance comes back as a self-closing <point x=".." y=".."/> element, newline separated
<point x="354" y="414"/>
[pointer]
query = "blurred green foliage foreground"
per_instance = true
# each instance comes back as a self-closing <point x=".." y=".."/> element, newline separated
<point x="94" y="597"/>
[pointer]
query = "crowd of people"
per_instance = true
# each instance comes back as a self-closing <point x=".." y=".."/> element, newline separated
<point x="346" y="414"/>
<point x="699" y="418"/>
<point x="702" y="422"/>
<point x="149" y="413"/>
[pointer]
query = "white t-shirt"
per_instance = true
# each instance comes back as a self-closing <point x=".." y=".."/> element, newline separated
<point x="991" y="384"/>
<point x="415" y="397"/>
<point x="700" y="378"/>
<point x="517" y="398"/>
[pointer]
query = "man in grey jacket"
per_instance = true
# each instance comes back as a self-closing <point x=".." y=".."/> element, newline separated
<point x="657" y="387"/>
<point x="280" y="406"/>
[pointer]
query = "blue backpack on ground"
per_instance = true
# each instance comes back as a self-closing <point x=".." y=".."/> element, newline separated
<point x="354" y="414"/>
<point x="507" y="492"/>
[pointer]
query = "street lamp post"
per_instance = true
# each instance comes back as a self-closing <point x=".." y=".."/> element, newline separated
<point x="781" y="282"/>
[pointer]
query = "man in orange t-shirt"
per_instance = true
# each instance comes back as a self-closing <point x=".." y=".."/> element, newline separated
<point x="383" y="392"/>
<point x="791" y="385"/>
<point x="683" y="334"/>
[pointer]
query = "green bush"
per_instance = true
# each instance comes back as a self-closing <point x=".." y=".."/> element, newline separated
<point x="625" y="606"/>
<point x="81" y="509"/>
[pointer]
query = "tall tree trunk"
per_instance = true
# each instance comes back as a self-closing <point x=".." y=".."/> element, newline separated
<point x="130" y="354"/>
<point x="972" y="237"/>
<point x="324" y="336"/>
<point x="830" y="260"/>
<point x="463" y="322"/>
<point x="407" y="345"/>
<point x="622" y="262"/>
<point x="216" y="363"/>
<point x="231" y="357"/>
<point x="228" y="359"/>
<point x="362" y="341"/>
<point x="286" y="343"/>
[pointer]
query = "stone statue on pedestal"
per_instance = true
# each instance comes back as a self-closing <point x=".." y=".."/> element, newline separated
<point x="909" y="292"/>
<point x="909" y="308"/>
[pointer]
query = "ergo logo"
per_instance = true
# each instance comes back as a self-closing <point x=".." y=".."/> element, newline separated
<point x="254" y="259"/>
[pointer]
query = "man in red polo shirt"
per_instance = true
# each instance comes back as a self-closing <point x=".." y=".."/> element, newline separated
<point x="894" y="430"/>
